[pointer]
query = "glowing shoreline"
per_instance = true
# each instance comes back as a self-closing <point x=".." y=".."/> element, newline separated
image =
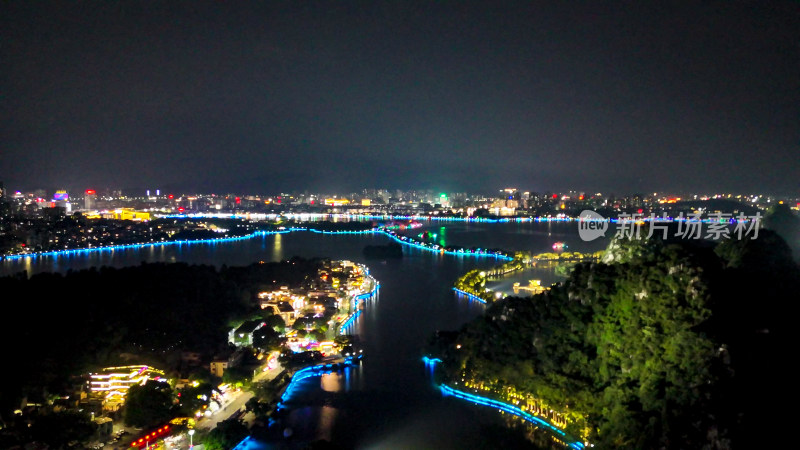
<point x="408" y="241"/>
<point x="357" y="298"/>
<point x="78" y="251"/>
<point x="505" y="407"/>
<point x="470" y="296"/>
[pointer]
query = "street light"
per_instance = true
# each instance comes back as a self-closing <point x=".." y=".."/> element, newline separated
<point x="191" y="441"/>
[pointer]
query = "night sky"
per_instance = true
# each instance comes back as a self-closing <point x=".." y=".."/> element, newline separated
<point x="235" y="96"/>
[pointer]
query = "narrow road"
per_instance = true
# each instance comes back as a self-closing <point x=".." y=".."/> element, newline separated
<point x="237" y="402"/>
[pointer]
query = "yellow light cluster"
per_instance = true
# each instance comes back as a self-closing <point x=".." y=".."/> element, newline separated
<point x="129" y="214"/>
<point x="524" y="401"/>
<point x="273" y="297"/>
<point x="337" y="201"/>
<point x="115" y="381"/>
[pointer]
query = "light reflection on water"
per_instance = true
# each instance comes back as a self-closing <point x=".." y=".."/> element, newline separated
<point x="277" y="248"/>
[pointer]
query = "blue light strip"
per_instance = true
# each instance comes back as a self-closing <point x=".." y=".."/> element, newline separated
<point x="243" y="444"/>
<point x="511" y="409"/>
<point x="436" y="249"/>
<point x="399" y="238"/>
<point x="405" y="240"/>
<point x="79" y="251"/>
<point x="370" y="231"/>
<point x="356" y="299"/>
<point x="349" y="321"/>
<point x="308" y="372"/>
<point x="470" y="296"/>
<point x="506" y="407"/>
<point x="370" y="293"/>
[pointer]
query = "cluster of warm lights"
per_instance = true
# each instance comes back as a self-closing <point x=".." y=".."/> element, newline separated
<point x="273" y="297"/>
<point x="115" y="381"/>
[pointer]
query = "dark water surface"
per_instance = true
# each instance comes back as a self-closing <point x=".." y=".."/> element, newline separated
<point x="388" y="401"/>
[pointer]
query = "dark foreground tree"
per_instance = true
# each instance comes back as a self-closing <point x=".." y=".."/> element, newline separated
<point x="148" y="404"/>
<point x="226" y="435"/>
<point x="58" y="429"/>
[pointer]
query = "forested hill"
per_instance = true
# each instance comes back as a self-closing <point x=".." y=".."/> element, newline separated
<point x="673" y="345"/>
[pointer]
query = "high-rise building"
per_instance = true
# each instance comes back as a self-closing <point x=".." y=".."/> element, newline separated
<point x="90" y="199"/>
<point x="61" y="199"/>
<point x="2" y="191"/>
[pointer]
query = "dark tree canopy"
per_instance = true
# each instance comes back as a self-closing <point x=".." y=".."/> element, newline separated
<point x="226" y="435"/>
<point x="57" y="429"/>
<point x="149" y="404"/>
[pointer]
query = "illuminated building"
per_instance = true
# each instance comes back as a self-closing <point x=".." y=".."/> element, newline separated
<point x="218" y="367"/>
<point x="443" y="200"/>
<point x="286" y="311"/>
<point x="113" y="382"/>
<point x="128" y="214"/>
<point x="242" y="336"/>
<point x="534" y="286"/>
<point x="90" y="199"/>
<point x="283" y="303"/>
<point x="336" y="201"/>
<point x="61" y="199"/>
<point x="61" y="196"/>
<point x="220" y="363"/>
<point x="104" y="426"/>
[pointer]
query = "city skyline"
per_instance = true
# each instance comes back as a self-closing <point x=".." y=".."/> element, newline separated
<point x="414" y="194"/>
<point x="207" y="97"/>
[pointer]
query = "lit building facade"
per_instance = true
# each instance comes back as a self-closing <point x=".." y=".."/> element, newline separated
<point x="113" y="382"/>
<point x="90" y="199"/>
